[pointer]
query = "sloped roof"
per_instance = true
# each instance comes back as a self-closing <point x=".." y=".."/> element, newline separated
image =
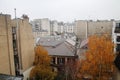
<point x="50" y="41"/>
<point x="84" y="43"/>
<point x="60" y="50"/>
<point x="56" y="47"/>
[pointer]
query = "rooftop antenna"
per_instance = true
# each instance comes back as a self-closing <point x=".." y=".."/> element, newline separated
<point x="15" y="12"/>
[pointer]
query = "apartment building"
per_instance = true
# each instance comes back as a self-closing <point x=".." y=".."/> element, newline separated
<point x="116" y="36"/>
<point x="53" y="27"/>
<point x="16" y="45"/>
<point x="60" y="50"/>
<point x="84" y="28"/>
<point x="60" y="27"/>
<point x="48" y="27"/>
<point x="41" y="25"/>
<point x="68" y="28"/>
<point x="6" y="45"/>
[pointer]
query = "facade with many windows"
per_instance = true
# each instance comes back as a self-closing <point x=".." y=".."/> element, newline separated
<point x="116" y="36"/>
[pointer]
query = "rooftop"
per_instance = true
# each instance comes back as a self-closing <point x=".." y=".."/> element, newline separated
<point x="50" y="41"/>
<point x="56" y="46"/>
<point x="9" y="77"/>
<point x="61" y="50"/>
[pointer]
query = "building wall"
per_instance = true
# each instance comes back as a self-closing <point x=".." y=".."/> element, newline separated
<point x="69" y="27"/>
<point x="60" y="27"/>
<point x="83" y="29"/>
<point x="100" y="27"/>
<point x="36" y="24"/>
<point x="6" y="47"/>
<point x="115" y="35"/>
<point x="55" y="24"/>
<point x="80" y="28"/>
<point x="26" y="46"/>
<point x="39" y="34"/>
<point x="45" y="23"/>
<point x="54" y="27"/>
<point x="39" y="25"/>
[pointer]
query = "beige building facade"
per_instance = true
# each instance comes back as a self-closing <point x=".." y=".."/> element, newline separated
<point x="6" y="47"/>
<point x="84" y="28"/>
<point x="16" y="45"/>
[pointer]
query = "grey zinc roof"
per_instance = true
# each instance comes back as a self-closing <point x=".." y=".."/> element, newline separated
<point x="50" y="41"/>
<point x="56" y="47"/>
<point x="60" y="50"/>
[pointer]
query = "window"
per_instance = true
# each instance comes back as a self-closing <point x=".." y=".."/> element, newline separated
<point x="118" y="48"/>
<point x="118" y="38"/>
<point x="117" y="29"/>
<point x="53" y="60"/>
<point x="101" y="27"/>
<point x="61" y="60"/>
<point x="117" y="24"/>
<point x="13" y="30"/>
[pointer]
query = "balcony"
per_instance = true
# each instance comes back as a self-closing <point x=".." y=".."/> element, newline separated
<point x="117" y="30"/>
<point x="118" y="38"/>
<point x="118" y="48"/>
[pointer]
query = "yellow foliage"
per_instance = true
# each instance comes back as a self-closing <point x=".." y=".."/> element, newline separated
<point x="41" y="56"/>
<point x="99" y="57"/>
<point x="42" y="69"/>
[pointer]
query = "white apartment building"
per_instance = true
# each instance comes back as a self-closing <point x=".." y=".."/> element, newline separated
<point x="53" y="27"/>
<point x="48" y="27"/>
<point x="68" y="27"/>
<point x="41" y="25"/>
<point x="60" y="27"/>
<point x="116" y="36"/>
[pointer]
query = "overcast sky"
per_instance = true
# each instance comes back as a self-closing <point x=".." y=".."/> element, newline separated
<point x="63" y="10"/>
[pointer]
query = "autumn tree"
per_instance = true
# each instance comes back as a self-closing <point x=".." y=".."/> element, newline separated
<point x="42" y="69"/>
<point x="72" y="70"/>
<point x="99" y="58"/>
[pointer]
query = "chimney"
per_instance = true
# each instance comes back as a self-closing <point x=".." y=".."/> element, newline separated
<point x="25" y="17"/>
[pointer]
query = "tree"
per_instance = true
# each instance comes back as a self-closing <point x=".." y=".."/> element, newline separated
<point x="99" y="58"/>
<point x="42" y="69"/>
<point x="72" y="70"/>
